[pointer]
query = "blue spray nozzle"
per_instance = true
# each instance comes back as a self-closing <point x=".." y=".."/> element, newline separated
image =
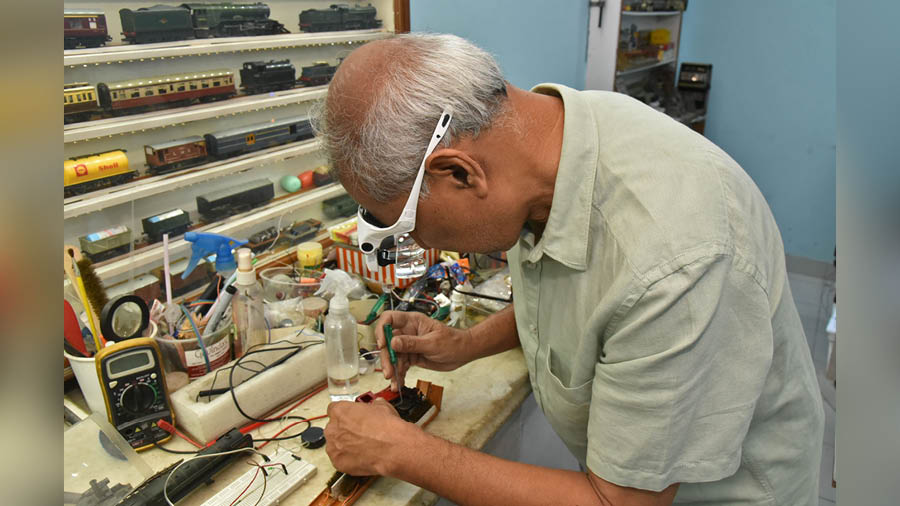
<point x="204" y="244"/>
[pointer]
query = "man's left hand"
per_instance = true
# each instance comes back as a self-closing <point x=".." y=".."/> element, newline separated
<point x="362" y="439"/>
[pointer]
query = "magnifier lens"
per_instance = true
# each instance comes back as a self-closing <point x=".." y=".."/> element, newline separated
<point x="410" y="258"/>
<point x="127" y="319"/>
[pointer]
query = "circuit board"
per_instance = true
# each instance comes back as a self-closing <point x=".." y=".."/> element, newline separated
<point x="279" y="482"/>
<point x="417" y="405"/>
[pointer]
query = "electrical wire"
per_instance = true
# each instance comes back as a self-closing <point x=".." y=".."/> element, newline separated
<point x="251" y="351"/>
<point x="204" y="456"/>
<point x="179" y="452"/>
<point x="483" y="296"/>
<point x="238" y="498"/>
<point x="276" y="438"/>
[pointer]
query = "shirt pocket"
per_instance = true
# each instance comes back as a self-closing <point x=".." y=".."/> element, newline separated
<point x="567" y="408"/>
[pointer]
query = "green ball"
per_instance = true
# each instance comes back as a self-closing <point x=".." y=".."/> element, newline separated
<point x="290" y="183"/>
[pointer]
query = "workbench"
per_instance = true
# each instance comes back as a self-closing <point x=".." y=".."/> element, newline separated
<point x="478" y="398"/>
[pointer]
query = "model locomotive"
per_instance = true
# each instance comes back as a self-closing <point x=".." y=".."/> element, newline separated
<point x="84" y="28"/>
<point x="162" y="23"/>
<point x="263" y="77"/>
<point x="339" y="17"/>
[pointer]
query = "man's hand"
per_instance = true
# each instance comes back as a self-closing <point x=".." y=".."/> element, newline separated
<point x="361" y="438"/>
<point x="421" y="341"/>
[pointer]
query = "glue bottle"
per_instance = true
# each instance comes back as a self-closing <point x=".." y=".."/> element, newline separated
<point x="247" y="306"/>
<point x="341" y="346"/>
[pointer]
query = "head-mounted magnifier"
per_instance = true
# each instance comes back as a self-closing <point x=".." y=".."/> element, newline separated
<point x="376" y="240"/>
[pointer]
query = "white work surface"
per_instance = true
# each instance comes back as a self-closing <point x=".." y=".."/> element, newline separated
<point x="478" y="398"/>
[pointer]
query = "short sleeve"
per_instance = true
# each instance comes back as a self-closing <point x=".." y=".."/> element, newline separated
<point x="679" y="375"/>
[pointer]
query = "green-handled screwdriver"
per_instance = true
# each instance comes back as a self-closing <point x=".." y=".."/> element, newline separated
<point x="388" y="335"/>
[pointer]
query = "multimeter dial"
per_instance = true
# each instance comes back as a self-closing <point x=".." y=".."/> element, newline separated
<point x="137" y="398"/>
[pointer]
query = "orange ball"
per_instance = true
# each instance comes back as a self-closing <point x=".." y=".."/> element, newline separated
<point x="306" y="179"/>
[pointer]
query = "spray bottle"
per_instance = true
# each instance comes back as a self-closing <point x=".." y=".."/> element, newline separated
<point x="247" y="306"/>
<point x="341" y="347"/>
<point x="204" y="244"/>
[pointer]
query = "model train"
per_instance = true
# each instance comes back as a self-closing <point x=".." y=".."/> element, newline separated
<point x="92" y="172"/>
<point x="174" y="222"/>
<point x="95" y="171"/>
<point x="146" y="93"/>
<point x="162" y="23"/>
<point x="220" y="204"/>
<point x="339" y="17"/>
<point x="84" y="28"/>
<point x="263" y="77"/>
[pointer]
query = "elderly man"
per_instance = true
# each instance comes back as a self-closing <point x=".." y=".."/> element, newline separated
<point x="651" y="298"/>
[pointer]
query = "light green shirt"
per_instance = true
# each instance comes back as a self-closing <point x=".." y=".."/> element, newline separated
<point x="657" y="323"/>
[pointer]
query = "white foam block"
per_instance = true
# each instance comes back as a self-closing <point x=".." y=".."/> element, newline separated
<point x="206" y="419"/>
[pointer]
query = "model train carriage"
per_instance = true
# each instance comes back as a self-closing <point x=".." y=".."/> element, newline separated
<point x="174" y="222"/>
<point x="317" y="74"/>
<point x="79" y="102"/>
<point x="232" y="19"/>
<point x="84" y="28"/>
<point x="339" y="17"/>
<point x="159" y="23"/>
<point x="97" y="171"/>
<point x="174" y="155"/>
<point x="106" y="244"/>
<point x="140" y="93"/>
<point x="256" y="137"/>
<point x="262" y="77"/>
<point x="221" y="204"/>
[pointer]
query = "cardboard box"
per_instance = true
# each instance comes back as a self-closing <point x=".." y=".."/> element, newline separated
<point x="351" y="259"/>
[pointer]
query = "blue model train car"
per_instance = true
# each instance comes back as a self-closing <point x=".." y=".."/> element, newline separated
<point x="256" y="137"/>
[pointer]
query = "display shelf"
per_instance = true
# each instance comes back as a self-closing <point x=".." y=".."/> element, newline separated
<point x="154" y="185"/>
<point x="645" y="67"/>
<point x="108" y="127"/>
<point x="196" y="47"/>
<point x="151" y="255"/>
<point x="651" y="13"/>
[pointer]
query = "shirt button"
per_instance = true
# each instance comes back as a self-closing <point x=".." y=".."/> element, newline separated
<point x="533" y="328"/>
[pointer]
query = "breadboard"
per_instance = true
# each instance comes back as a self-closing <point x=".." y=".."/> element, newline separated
<point x="278" y="485"/>
<point x="206" y="419"/>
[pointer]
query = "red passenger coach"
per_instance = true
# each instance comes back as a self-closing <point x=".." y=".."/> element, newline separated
<point x="142" y="93"/>
<point x="85" y="28"/>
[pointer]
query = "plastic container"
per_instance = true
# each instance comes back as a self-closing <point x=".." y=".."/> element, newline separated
<point x="85" y="370"/>
<point x="183" y="355"/>
<point x="251" y="328"/>
<point x="341" y="346"/>
<point x="283" y="283"/>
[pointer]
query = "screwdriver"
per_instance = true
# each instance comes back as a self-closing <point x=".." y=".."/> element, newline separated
<point x="388" y="335"/>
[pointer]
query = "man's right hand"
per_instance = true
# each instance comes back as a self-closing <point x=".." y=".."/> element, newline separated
<point x="421" y="341"/>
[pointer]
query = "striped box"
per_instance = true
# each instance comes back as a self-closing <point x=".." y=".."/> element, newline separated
<point x="351" y="259"/>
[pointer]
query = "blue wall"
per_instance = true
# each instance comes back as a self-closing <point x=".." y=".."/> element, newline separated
<point x="772" y="105"/>
<point x="534" y="41"/>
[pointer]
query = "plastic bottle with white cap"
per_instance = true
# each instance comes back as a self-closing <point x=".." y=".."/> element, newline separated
<point x="247" y="306"/>
<point x="341" y="346"/>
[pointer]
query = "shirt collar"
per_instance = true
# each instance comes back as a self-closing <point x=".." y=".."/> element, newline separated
<point x="565" y="237"/>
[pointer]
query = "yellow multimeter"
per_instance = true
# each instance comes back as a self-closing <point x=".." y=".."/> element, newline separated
<point x="134" y="389"/>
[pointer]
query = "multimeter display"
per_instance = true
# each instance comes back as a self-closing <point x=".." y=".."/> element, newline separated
<point x="128" y="362"/>
<point x="134" y="388"/>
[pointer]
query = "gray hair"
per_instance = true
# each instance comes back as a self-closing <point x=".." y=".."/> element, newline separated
<point x="382" y="153"/>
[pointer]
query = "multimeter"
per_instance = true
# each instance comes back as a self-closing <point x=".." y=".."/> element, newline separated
<point x="134" y="389"/>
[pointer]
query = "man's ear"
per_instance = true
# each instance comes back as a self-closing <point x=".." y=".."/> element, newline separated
<point x="456" y="168"/>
